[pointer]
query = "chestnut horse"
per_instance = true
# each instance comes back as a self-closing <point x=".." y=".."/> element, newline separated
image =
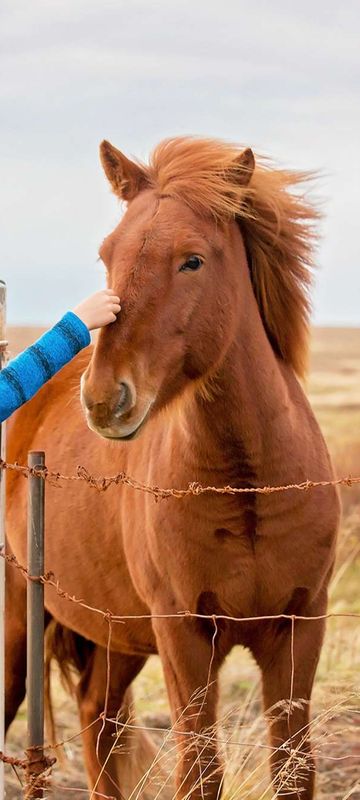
<point x="197" y="380"/>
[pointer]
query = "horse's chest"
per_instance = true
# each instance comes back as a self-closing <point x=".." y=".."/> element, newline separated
<point x="202" y="545"/>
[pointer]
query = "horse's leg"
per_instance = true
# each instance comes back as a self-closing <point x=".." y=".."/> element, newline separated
<point x="190" y="662"/>
<point x="288" y="670"/>
<point x="112" y="773"/>
<point x="15" y="642"/>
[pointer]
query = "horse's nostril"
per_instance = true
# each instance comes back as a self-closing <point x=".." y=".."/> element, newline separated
<point x="124" y="401"/>
<point x="123" y="394"/>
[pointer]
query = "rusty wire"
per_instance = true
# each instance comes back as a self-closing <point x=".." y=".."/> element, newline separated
<point x="49" y="579"/>
<point x="102" y="483"/>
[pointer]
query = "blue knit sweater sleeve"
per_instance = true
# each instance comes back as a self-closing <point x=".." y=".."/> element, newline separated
<point x="26" y="373"/>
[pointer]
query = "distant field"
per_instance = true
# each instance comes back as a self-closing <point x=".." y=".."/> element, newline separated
<point x="20" y="337"/>
<point x="333" y="386"/>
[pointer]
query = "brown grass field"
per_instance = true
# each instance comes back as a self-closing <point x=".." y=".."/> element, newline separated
<point x="334" y="390"/>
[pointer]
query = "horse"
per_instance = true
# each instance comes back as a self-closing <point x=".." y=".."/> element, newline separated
<point x="198" y="381"/>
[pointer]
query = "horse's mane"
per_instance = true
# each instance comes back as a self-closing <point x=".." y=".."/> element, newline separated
<point x="276" y="222"/>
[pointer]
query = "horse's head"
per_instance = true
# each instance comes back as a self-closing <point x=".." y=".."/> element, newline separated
<point x="177" y="261"/>
<point x="179" y="293"/>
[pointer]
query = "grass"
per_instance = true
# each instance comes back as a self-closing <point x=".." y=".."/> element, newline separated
<point x="334" y="389"/>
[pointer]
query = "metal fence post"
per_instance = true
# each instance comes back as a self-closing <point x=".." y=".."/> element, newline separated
<point x="35" y="629"/>
<point x="3" y="345"/>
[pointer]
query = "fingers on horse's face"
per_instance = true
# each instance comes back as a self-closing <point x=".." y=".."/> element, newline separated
<point x="178" y="288"/>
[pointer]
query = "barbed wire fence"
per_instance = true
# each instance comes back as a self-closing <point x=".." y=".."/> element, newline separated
<point x="102" y="483"/>
<point x="41" y="778"/>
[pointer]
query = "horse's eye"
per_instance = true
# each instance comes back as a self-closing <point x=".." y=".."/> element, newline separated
<point x="192" y="264"/>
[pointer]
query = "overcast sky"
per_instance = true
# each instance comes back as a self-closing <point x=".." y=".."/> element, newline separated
<point x="281" y="76"/>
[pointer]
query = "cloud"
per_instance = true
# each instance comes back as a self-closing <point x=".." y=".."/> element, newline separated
<point x="282" y="77"/>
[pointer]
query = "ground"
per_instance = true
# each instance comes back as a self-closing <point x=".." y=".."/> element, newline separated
<point x="334" y="389"/>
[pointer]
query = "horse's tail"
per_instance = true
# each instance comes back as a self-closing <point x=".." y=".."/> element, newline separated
<point x="72" y="654"/>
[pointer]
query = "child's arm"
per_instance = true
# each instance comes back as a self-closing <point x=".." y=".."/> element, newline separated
<point x="25" y="375"/>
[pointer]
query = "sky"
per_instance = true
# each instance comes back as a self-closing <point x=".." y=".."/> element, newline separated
<point x="280" y="76"/>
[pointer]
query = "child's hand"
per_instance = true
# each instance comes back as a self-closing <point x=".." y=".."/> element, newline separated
<point x="98" y="310"/>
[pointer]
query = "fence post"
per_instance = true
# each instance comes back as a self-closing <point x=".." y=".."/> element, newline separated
<point x="3" y="345"/>
<point x="35" y="630"/>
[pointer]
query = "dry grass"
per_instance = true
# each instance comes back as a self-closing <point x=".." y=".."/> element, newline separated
<point x="334" y="388"/>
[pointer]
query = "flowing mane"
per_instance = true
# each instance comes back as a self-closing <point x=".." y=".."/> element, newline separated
<point x="276" y="222"/>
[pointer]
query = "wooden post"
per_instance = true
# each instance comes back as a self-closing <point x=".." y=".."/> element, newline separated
<point x="3" y="345"/>
<point x="35" y="629"/>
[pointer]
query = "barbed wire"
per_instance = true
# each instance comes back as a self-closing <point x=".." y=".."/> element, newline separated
<point x="102" y="483"/>
<point x="49" y="579"/>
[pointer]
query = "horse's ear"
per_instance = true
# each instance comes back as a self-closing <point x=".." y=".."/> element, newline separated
<point x="126" y="177"/>
<point x="244" y="166"/>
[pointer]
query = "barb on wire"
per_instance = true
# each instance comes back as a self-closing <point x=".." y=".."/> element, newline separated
<point x="193" y="489"/>
<point x="23" y="763"/>
<point x="13" y="761"/>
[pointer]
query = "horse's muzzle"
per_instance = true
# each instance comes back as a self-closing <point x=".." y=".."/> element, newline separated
<point x="118" y="416"/>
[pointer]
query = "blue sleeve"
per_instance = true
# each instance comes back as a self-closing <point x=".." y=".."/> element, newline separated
<point x="26" y="373"/>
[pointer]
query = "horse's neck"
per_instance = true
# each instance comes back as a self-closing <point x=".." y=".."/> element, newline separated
<point x="249" y="410"/>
